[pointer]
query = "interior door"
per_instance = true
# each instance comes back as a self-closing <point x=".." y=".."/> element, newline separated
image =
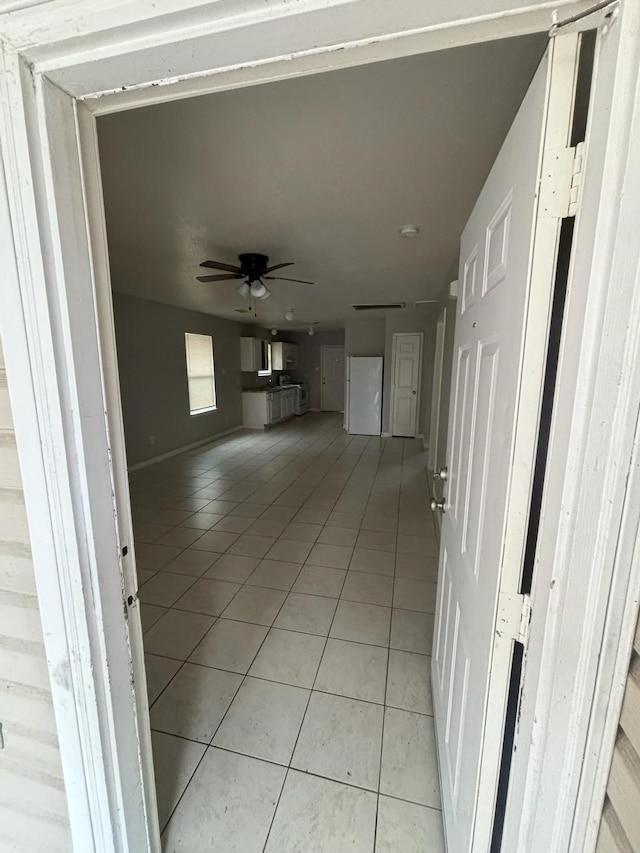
<point x="332" y="399"/>
<point x="507" y="265"/>
<point x="407" y="370"/>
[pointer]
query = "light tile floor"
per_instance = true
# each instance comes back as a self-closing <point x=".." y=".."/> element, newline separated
<point x="287" y="582"/>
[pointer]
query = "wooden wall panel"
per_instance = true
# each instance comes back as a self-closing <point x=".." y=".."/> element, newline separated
<point x="620" y="826"/>
<point x="33" y="806"/>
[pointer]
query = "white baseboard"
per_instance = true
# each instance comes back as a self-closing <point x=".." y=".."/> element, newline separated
<point x="183" y="449"/>
<point x="425" y="443"/>
<point x="385" y="434"/>
<point x="314" y="410"/>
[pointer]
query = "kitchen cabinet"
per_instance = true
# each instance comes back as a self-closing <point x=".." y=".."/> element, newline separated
<point x="274" y="406"/>
<point x="284" y="356"/>
<point x="254" y="355"/>
<point x="261" y="409"/>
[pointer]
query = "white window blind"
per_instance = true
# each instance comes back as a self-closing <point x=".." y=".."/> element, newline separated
<point x="200" y="373"/>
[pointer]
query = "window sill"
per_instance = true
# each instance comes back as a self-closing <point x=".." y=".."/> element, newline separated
<point x="203" y="411"/>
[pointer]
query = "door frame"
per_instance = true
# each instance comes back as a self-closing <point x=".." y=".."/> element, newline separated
<point x="392" y="401"/>
<point x="323" y="350"/>
<point x="56" y="324"/>
<point x="436" y="391"/>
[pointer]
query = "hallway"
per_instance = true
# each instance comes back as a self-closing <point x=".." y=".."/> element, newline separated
<point x="287" y="581"/>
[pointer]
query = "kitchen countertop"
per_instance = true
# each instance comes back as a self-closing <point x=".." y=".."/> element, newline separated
<point x="268" y="388"/>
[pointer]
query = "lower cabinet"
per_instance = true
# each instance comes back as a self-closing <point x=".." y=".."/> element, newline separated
<point x="265" y="408"/>
<point x="275" y="408"/>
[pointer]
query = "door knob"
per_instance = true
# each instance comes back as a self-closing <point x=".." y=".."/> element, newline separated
<point x="436" y="504"/>
<point x="442" y="474"/>
<point x="414" y="392"/>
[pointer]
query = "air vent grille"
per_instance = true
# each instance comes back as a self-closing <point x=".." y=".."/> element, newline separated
<point x="377" y="306"/>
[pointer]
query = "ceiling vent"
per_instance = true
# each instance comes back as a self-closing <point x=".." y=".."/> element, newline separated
<point x="377" y="306"/>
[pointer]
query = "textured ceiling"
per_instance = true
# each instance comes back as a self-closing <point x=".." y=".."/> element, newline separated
<point x="320" y="170"/>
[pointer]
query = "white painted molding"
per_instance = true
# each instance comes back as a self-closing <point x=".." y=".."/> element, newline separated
<point x="386" y="435"/>
<point x="54" y="375"/>
<point x="209" y="440"/>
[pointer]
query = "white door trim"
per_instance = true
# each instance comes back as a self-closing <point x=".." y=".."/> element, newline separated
<point x="392" y="407"/>
<point x="58" y="391"/>
<point x="436" y="391"/>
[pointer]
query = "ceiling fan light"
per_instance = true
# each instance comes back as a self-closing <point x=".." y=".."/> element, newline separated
<point x="265" y="295"/>
<point x="244" y="290"/>
<point x="258" y="290"/>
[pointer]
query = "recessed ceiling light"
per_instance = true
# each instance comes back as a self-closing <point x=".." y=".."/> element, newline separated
<point x="274" y="332"/>
<point x="289" y="315"/>
<point x="409" y="231"/>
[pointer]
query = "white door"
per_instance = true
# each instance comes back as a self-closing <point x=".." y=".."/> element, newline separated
<point x="406" y="370"/>
<point x="436" y="393"/>
<point x="507" y="265"/>
<point x="332" y="368"/>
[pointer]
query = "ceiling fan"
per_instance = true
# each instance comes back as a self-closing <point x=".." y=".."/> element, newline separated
<point x="252" y="269"/>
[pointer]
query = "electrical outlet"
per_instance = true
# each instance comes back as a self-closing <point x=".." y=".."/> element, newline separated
<point x="152" y="439"/>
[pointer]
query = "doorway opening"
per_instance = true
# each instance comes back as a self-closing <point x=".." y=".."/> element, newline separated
<point x="324" y="528"/>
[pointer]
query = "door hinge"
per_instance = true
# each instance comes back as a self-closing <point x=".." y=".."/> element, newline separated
<point x="525" y="620"/>
<point x="599" y="16"/>
<point x="514" y="617"/>
<point x="129" y="601"/>
<point x="561" y="182"/>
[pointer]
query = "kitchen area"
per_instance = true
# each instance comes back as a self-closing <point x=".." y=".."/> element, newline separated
<point x="270" y="393"/>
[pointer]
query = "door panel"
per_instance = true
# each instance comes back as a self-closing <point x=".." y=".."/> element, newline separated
<point x="496" y="332"/>
<point x="407" y="370"/>
<point x="333" y="379"/>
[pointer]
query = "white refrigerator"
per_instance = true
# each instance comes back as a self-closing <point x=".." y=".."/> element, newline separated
<point x="364" y="395"/>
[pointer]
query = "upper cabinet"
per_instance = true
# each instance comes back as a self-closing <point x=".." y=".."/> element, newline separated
<point x="284" y="356"/>
<point x="254" y="355"/>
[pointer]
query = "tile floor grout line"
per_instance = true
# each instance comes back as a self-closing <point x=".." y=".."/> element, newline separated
<point x="384" y="720"/>
<point x="304" y="715"/>
<point x="336" y="489"/>
<point x="287" y="767"/>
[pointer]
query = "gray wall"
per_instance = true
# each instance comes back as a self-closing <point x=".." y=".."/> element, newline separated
<point x="153" y="378"/>
<point x="309" y="354"/>
<point x="364" y="337"/>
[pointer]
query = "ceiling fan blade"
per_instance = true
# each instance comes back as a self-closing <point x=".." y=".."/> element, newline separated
<point x="278" y="267"/>
<point x="216" y="265"/>
<point x="279" y="278"/>
<point x="218" y="277"/>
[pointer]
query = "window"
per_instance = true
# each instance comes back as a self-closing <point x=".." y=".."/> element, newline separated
<point x="265" y="358"/>
<point x="200" y="374"/>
